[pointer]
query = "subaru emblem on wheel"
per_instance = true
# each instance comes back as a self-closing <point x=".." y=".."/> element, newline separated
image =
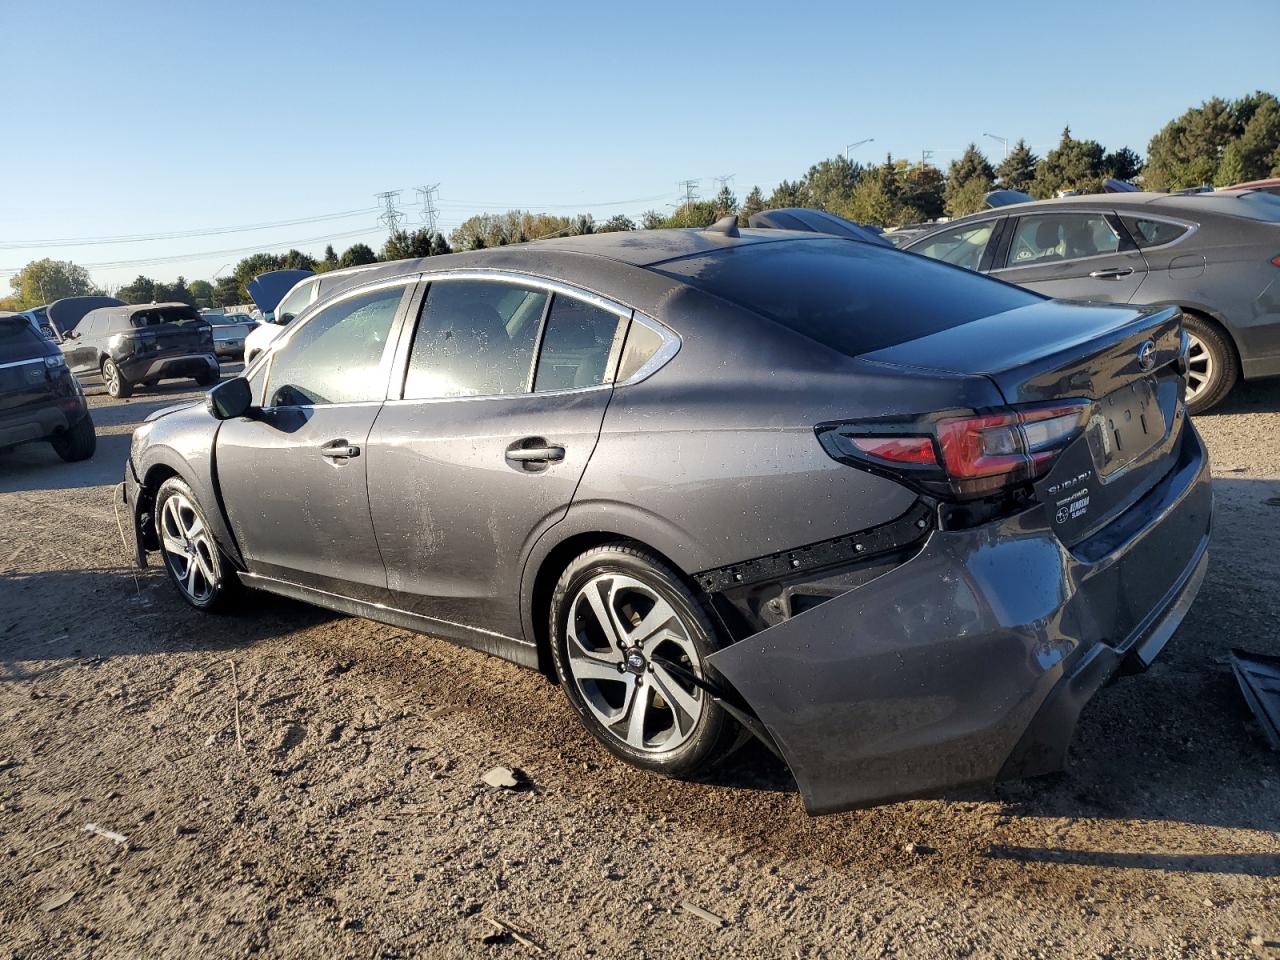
<point x="1147" y="354"/>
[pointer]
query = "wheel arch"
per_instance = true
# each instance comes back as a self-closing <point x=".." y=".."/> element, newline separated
<point x="535" y="612"/>
<point x="162" y="462"/>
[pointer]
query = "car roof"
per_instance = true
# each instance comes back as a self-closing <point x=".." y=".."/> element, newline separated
<point x="133" y="308"/>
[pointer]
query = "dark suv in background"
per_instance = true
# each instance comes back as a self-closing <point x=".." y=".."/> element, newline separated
<point x="39" y="398"/>
<point x="129" y="345"/>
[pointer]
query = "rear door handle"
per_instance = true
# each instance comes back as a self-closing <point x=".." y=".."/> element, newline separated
<point x="545" y="454"/>
<point x="339" y="450"/>
<point x="1111" y="273"/>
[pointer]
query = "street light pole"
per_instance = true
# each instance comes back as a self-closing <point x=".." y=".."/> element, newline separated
<point x="1004" y="140"/>
<point x="854" y="146"/>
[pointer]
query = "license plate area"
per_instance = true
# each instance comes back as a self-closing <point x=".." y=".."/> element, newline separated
<point x="1125" y="424"/>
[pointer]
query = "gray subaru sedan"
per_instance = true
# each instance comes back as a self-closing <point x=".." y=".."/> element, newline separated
<point x="895" y="519"/>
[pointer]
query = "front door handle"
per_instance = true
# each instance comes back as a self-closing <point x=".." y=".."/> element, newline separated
<point x="339" y="450"/>
<point x="1111" y="273"/>
<point x="546" y="453"/>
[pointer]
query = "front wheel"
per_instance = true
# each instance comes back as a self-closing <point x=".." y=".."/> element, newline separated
<point x="77" y="443"/>
<point x="117" y="385"/>
<point x="209" y="378"/>
<point x="1211" y="365"/>
<point x="626" y="633"/>
<point x="192" y="558"/>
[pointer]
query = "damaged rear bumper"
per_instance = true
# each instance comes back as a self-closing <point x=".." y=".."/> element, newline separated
<point x="972" y="661"/>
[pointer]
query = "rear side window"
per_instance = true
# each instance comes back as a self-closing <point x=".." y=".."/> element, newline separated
<point x="962" y="247"/>
<point x="156" y="318"/>
<point x="1050" y="237"/>
<point x="576" y="345"/>
<point x="853" y="297"/>
<point x="1153" y="233"/>
<point x="19" y="340"/>
<point x="475" y="338"/>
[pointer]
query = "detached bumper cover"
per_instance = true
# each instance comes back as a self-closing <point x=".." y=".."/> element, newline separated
<point x="972" y="661"/>
<point x="163" y="367"/>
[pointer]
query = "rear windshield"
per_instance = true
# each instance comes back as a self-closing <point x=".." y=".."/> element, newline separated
<point x="19" y="340"/>
<point x="853" y="297"/>
<point x="153" y="318"/>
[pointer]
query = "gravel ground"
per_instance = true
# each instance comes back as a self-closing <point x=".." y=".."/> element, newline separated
<point x="293" y="783"/>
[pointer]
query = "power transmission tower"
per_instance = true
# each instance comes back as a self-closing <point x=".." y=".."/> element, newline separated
<point x="925" y="157"/>
<point x="390" y="215"/>
<point x="724" y="179"/>
<point x="427" y="196"/>
<point x="690" y="188"/>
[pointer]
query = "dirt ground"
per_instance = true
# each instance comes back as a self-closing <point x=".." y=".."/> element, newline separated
<point x="290" y="783"/>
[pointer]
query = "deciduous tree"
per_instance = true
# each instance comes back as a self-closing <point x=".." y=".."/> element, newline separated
<point x="44" y="281"/>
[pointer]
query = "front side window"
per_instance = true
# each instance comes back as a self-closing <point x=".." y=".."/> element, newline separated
<point x="576" y="345"/>
<point x="962" y="247"/>
<point x="1153" y="233"/>
<point x="1049" y="237"/>
<point x="339" y="355"/>
<point x="475" y="338"/>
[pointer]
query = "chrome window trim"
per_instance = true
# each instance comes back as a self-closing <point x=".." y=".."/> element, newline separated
<point x="19" y="363"/>
<point x="661" y="357"/>
<point x="670" y="339"/>
<point x="1192" y="228"/>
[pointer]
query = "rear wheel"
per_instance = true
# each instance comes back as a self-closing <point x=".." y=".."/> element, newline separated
<point x="1211" y="364"/>
<point x="192" y="558"/>
<point x="117" y="385"/>
<point x="625" y="633"/>
<point x="77" y="443"/>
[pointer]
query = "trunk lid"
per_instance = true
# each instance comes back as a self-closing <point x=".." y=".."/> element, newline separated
<point x="1125" y="360"/>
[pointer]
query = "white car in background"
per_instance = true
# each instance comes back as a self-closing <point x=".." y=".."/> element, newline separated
<point x="277" y="316"/>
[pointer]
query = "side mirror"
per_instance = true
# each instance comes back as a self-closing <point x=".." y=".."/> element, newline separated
<point x="230" y="399"/>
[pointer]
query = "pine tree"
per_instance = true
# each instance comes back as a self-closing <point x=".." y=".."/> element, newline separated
<point x="1018" y="169"/>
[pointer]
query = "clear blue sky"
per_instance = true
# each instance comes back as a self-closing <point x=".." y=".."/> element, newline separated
<point x="141" y="118"/>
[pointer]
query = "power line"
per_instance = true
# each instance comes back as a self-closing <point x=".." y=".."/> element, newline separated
<point x="690" y="191"/>
<point x="182" y="234"/>
<point x="205" y="254"/>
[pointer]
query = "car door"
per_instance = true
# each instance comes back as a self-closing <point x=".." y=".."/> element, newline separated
<point x="1072" y="255"/>
<point x="505" y="386"/>
<point x="293" y="476"/>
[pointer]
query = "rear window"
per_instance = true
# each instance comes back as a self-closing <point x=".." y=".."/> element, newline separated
<point x="850" y="296"/>
<point x="19" y="340"/>
<point x="154" y="318"/>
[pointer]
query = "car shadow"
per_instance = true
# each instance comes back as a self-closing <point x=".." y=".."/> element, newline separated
<point x="34" y="466"/>
<point x="1252" y="396"/>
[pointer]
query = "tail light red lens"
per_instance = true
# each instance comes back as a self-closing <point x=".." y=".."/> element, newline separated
<point x="974" y="456"/>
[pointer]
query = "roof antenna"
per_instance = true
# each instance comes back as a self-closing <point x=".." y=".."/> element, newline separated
<point x="725" y="225"/>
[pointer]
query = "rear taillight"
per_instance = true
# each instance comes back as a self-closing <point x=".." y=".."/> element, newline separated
<point x="1276" y="260"/>
<point x="969" y="456"/>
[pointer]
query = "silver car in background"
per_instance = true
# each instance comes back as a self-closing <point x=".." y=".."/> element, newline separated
<point x="1214" y="255"/>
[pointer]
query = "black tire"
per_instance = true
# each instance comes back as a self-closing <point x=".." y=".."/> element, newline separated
<point x="77" y="443"/>
<point x="223" y="584"/>
<point x="713" y="734"/>
<point x="209" y="378"/>
<point x="1215" y="370"/>
<point x="117" y="385"/>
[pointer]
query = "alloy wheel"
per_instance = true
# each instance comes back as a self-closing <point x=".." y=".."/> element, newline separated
<point x="622" y="636"/>
<point x="1201" y="369"/>
<point x="188" y="550"/>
